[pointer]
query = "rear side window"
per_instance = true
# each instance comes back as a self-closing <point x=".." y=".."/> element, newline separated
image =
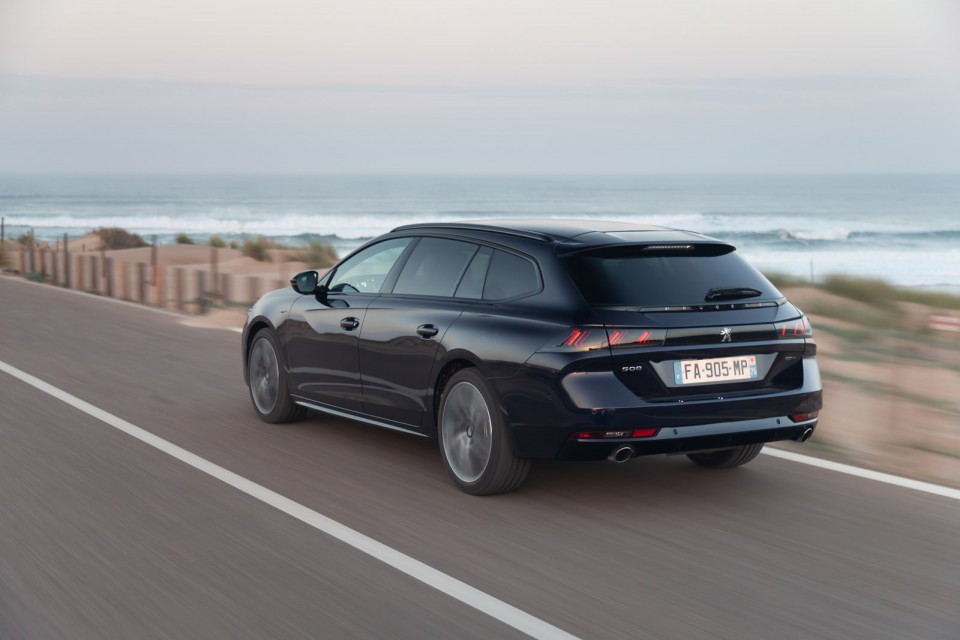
<point x="471" y="286"/>
<point x="633" y="276"/>
<point x="510" y="276"/>
<point x="434" y="267"/>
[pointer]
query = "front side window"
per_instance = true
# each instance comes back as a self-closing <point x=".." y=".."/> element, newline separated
<point x="434" y="267"/>
<point x="366" y="271"/>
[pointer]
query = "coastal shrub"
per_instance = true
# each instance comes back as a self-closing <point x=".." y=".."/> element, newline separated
<point x="257" y="248"/>
<point x="782" y="280"/>
<point x="217" y="241"/>
<point x="884" y="295"/>
<point x="937" y="299"/>
<point x="234" y="245"/>
<point x="874" y="292"/>
<point x="317" y="254"/>
<point x="182" y="238"/>
<point x="24" y="238"/>
<point x="117" y="238"/>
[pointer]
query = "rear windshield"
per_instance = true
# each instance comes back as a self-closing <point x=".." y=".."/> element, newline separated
<point x="637" y="276"/>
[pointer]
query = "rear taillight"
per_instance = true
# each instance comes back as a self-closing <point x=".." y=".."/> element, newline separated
<point x="797" y="328"/>
<point x="631" y="337"/>
<point x="590" y="338"/>
<point x="803" y="417"/>
<point x="582" y="339"/>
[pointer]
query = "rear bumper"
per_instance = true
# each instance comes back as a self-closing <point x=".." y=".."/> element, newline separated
<point x="546" y="426"/>
<point x="721" y="435"/>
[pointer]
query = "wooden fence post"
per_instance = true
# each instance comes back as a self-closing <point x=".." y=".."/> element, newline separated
<point x="225" y="288"/>
<point x="94" y="275"/>
<point x="201" y="290"/>
<point x="80" y="282"/>
<point x="178" y="284"/>
<point x="142" y="282"/>
<point x="108" y="262"/>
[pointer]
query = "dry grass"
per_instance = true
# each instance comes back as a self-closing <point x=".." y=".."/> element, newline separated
<point x="317" y="254"/>
<point x="876" y="293"/>
<point x="259" y="248"/>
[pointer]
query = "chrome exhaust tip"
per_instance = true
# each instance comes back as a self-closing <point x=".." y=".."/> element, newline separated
<point x="803" y="437"/>
<point x="621" y="454"/>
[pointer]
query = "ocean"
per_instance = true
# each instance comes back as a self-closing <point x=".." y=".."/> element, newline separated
<point x="904" y="229"/>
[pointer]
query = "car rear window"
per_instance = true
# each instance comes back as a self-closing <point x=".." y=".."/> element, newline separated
<point x="648" y="277"/>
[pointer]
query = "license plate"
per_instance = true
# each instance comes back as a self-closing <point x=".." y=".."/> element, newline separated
<point x="715" y="370"/>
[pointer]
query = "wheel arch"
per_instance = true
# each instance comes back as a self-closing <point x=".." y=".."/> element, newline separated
<point x="447" y="371"/>
<point x="251" y="331"/>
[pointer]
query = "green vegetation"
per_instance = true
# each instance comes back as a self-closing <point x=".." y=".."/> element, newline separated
<point x="928" y="449"/>
<point x="874" y="292"/>
<point x="117" y="238"/>
<point x="24" y="238"/>
<point x="182" y="238"/>
<point x="216" y="242"/>
<point x="317" y="254"/>
<point x="873" y="317"/>
<point x="782" y="280"/>
<point x="882" y="294"/>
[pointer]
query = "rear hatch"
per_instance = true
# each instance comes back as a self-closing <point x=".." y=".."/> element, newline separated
<point x="688" y="320"/>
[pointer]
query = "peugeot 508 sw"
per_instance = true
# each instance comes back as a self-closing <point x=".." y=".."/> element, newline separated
<point x="511" y="340"/>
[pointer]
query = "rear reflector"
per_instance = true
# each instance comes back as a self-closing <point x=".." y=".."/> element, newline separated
<point x="803" y="417"/>
<point x="600" y="435"/>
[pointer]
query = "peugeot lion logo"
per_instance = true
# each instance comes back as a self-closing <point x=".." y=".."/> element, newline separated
<point x="726" y="335"/>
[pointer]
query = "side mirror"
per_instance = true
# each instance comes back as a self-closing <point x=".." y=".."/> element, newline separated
<point x="305" y="282"/>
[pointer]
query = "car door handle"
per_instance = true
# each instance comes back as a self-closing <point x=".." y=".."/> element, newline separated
<point x="349" y="324"/>
<point x="427" y="330"/>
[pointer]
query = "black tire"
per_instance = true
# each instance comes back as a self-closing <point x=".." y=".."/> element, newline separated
<point x="475" y="444"/>
<point x="267" y="383"/>
<point x="727" y="458"/>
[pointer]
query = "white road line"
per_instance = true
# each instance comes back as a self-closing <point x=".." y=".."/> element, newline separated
<point x="886" y="478"/>
<point x="94" y="296"/>
<point x="471" y="596"/>
<point x="183" y="317"/>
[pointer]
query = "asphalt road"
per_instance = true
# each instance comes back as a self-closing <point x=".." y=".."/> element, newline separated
<point x="103" y="536"/>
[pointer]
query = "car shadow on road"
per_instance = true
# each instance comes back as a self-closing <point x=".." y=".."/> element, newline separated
<point x="395" y="461"/>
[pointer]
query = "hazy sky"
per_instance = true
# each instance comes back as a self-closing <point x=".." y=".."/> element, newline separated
<point x="491" y="85"/>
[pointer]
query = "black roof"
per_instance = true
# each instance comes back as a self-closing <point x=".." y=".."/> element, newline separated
<point x="569" y="232"/>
